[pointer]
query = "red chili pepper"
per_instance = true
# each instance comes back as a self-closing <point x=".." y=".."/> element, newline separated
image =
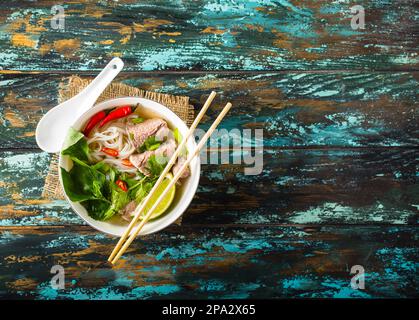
<point x="127" y="163"/>
<point x="116" y="114"/>
<point x="122" y="185"/>
<point x="94" y="120"/>
<point x="110" y="152"/>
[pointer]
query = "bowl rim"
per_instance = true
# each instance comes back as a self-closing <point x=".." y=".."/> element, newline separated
<point x="189" y="193"/>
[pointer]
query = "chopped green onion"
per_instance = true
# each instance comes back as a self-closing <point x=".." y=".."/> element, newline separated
<point x="177" y="135"/>
<point x="137" y="120"/>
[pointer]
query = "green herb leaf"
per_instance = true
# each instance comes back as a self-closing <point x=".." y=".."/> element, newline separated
<point x="177" y="135"/>
<point x="134" y="185"/>
<point x="150" y="144"/>
<point x="102" y="167"/>
<point x="154" y="146"/>
<point x="119" y="199"/>
<point x="143" y="189"/>
<point x="110" y="172"/>
<point x="137" y="120"/>
<point x="97" y="209"/>
<point x="75" y="145"/>
<point x="131" y="182"/>
<point x="156" y="164"/>
<point x="104" y="209"/>
<point x="82" y="182"/>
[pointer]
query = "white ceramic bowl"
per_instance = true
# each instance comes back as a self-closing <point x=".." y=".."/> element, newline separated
<point x="116" y="226"/>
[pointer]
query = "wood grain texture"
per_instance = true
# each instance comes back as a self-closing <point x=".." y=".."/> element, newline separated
<point x="294" y="109"/>
<point x="339" y="185"/>
<point x="358" y="186"/>
<point x="209" y="35"/>
<point x="211" y="263"/>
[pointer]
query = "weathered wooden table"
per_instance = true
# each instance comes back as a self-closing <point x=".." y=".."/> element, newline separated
<point x="339" y="111"/>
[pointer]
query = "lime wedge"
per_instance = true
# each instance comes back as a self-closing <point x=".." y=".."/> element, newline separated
<point x="167" y="200"/>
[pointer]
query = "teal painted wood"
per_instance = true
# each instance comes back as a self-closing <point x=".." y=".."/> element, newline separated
<point x="294" y="109"/>
<point x="209" y="35"/>
<point x="293" y="231"/>
<point x="355" y="186"/>
<point x="212" y="263"/>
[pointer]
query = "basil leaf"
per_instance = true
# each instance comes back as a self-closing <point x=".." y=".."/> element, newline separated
<point x="75" y="145"/>
<point x="97" y="208"/>
<point x="82" y="182"/>
<point x="102" y="209"/>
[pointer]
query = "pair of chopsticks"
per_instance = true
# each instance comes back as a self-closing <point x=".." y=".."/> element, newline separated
<point x="126" y="239"/>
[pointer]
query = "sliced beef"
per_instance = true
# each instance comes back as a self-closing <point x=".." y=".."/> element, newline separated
<point x="140" y="132"/>
<point x="179" y="163"/>
<point x="127" y="211"/>
<point x="166" y="149"/>
<point x="163" y="133"/>
<point x="139" y="160"/>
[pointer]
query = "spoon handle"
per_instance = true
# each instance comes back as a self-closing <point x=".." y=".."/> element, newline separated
<point x="90" y="94"/>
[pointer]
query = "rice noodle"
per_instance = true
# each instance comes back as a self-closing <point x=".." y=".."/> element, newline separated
<point x="114" y="136"/>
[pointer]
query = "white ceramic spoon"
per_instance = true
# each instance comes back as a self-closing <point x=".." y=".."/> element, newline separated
<point x="52" y="128"/>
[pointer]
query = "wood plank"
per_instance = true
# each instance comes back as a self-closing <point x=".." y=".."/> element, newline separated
<point x="209" y="35"/>
<point x="267" y="262"/>
<point x="294" y="109"/>
<point x="319" y="186"/>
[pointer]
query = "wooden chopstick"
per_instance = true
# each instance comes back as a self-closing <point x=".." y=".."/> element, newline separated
<point x="173" y="181"/>
<point x="140" y="208"/>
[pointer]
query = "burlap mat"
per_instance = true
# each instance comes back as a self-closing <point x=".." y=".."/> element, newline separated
<point x="74" y="84"/>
